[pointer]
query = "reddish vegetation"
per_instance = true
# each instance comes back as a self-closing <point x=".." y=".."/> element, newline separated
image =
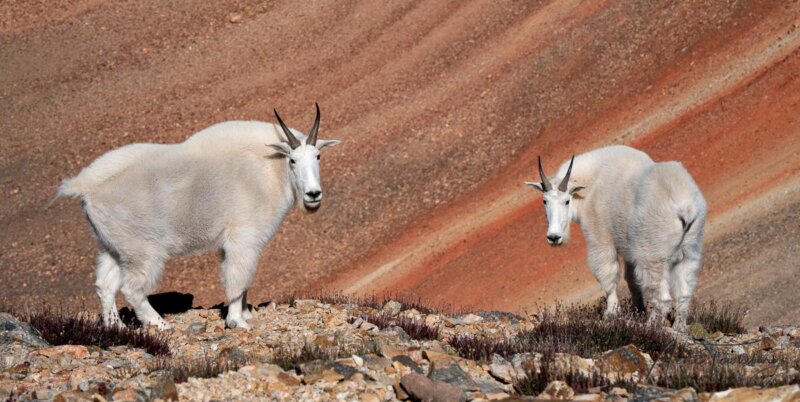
<point x="442" y="108"/>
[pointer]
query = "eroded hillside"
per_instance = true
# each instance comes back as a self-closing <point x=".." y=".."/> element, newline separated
<point x="442" y="108"/>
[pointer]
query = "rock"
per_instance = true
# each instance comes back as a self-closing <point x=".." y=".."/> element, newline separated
<point x="452" y="374"/>
<point x="305" y="305"/>
<point x="471" y="319"/>
<point x="358" y="360"/>
<point x="376" y="363"/>
<point x="697" y="331"/>
<point x="196" y="328"/>
<point x="234" y="18"/>
<point x="490" y="386"/>
<point x="591" y="397"/>
<point x="502" y="369"/>
<point x="497" y="396"/>
<point x="619" y="392"/>
<point x="625" y="363"/>
<point x="390" y="350"/>
<point x="768" y="343"/>
<point x="392" y="307"/>
<point x="558" y="390"/>
<point x="324" y="341"/>
<point x="12" y="329"/>
<point x="684" y="395"/>
<point x="526" y="362"/>
<point x="162" y="386"/>
<point x="233" y="356"/>
<point x="408" y="362"/>
<point x="425" y="389"/>
<point x="74" y="351"/>
<point x="129" y="395"/>
<point x="399" y="392"/>
<point x="74" y="396"/>
<point x="785" y="393"/>
<point x="288" y="379"/>
<point x="566" y="363"/>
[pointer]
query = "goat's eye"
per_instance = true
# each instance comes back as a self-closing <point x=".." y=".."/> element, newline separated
<point x="567" y="202"/>
<point x="317" y="157"/>
<point x="545" y="202"/>
<point x="291" y="161"/>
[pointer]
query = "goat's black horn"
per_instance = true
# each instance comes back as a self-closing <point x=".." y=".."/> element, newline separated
<point x="293" y="141"/>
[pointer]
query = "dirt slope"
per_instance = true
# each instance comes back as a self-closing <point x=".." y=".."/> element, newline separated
<point x="442" y="107"/>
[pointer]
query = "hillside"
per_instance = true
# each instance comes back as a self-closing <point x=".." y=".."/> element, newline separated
<point x="442" y="108"/>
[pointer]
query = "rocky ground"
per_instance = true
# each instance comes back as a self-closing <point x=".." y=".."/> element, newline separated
<point x="357" y="360"/>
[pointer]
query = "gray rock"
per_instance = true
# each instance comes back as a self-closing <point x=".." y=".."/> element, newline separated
<point x="453" y="374"/>
<point x="502" y="369"/>
<point x="392" y="307"/>
<point x="196" y="328"/>
<point x="408" y="362"/>
<point x="12" y="329"/>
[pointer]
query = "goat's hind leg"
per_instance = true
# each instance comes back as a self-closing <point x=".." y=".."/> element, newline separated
<point x="238" y="268"/>
<point x="652" y="278"/>
<point x="683" y="279"/>
<point x="139" y="278"/>
<point x="246" y="312"/>
<point x="107" y="283"/>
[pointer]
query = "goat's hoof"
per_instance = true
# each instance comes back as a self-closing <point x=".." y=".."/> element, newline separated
<point x="238" y="324"/>
<point x="161" y="325"/>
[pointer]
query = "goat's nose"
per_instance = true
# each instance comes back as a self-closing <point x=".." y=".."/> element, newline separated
<point x="553" y="238"/>
<point x="314" y="194"/>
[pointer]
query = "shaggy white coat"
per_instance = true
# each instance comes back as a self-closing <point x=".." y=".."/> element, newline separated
<point x="222" y="189"/>
<point x="650" y="215"/>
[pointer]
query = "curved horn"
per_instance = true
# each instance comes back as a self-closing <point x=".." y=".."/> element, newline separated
<point x="546" y="186"/>
<point x="293" y="141"/>
<point x="312" y="135"/>
<point x="563" y="185"/>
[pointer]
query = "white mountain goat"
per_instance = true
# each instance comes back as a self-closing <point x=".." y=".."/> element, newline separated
<point x="227" y="188"/>
<point x="650" y="214"/>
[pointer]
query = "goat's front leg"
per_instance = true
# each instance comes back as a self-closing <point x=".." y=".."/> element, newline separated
<point x="238" y="268"/>
<point x="604" y="264"/>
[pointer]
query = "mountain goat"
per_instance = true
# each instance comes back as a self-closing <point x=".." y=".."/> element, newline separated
<point x="227" y="188"/>
<point x="650" y="214"/>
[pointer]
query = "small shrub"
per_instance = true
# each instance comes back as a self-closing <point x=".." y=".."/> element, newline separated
<point x="533" y="383"/>
<point x="725" y="318"/>
<point x="201" y="367"/>
<point x="61" y="329"/>
<point x="582" y="330"/>
<point x="482" y="349"/>
<point x="416" y="329"/>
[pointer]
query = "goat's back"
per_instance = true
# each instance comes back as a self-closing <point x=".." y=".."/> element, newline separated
<point x="184" y="197"/>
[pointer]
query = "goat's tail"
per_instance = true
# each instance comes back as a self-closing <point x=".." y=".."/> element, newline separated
<point x="72" y="187"/>
<point x="687" y="214"/>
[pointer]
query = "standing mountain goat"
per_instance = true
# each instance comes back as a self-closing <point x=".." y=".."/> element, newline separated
<point x="225" y="188"/>
<point x="650" y="214"/>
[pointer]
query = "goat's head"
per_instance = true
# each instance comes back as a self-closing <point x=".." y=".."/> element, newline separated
<point x="302" y="155"/>
<point x="557" y="205"/>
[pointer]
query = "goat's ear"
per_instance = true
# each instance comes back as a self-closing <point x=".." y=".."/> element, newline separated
<point x="536" y="185"/>
<point x="574" y="188"/>
<point x="326" y="143"/>
<point x="281" y="147"/>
